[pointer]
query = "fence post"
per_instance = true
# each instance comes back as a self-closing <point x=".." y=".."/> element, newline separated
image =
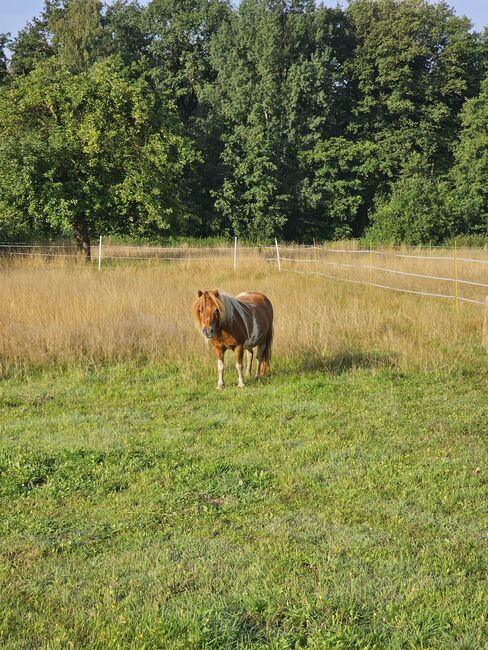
<point x="235" y="253"/>
<point x="278" y="255"/>
<point x="456" y="292"/>
<point x="370" y="265"/>
<point x="100" y="254"/>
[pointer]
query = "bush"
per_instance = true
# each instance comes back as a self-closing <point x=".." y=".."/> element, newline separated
<point x="415" y="213"/>
<point x="468" y="241"/>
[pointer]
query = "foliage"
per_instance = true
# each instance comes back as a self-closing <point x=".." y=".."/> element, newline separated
<point x="30" y="47"/>
<point x="278" y="91"/>
<point x="470" y="171"/>
<point x="181" y="36"/>
<point x="416" y="212"/>
<point x="304" y="119"/>
<point x="77" y="33"/>
<point x="4" y="39"/>
<point x="123" y="21"/>
<point x="414" y="65"/>
<point x="93" y="152"/>
<point x="337" y="183"/>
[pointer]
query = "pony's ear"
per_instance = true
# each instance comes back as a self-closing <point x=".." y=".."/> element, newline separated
<point x="200" y="293"/>
<point x="216" y="292"/>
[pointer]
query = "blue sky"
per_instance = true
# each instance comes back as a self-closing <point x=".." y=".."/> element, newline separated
<point x="15" y="13"/>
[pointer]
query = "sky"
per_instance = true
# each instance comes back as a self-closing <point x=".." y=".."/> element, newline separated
<point x="15" y="13"/>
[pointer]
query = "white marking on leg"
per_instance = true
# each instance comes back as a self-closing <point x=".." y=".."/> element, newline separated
<point x="239" y="372"/>
<point x="220" y="367"/>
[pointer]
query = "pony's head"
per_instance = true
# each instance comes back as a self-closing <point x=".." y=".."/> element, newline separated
<point x="209" y="312"/>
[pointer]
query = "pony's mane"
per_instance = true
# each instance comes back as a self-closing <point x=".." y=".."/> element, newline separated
<point x="231" y="306"/>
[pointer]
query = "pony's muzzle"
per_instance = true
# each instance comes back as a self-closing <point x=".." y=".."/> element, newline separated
<point x="207" y="332"/>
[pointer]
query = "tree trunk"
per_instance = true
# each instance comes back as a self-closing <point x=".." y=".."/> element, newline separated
<point x="82" y="237"/>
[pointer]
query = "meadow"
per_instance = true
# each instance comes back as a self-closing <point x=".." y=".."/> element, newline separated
<point x="339" y="503"/>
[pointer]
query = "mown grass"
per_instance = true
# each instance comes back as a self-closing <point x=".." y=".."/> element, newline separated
<point x="339" y="504"/>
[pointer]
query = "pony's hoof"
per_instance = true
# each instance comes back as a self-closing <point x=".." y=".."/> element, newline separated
<point x="220" y="388"/>
<point x="240" y="385"/>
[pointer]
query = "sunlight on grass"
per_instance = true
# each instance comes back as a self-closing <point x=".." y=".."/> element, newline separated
<point x="337" y="504"/>
<point x="58" y="314"/>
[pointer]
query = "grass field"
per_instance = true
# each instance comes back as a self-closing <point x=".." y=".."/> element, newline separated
<point x="339" y="504"/>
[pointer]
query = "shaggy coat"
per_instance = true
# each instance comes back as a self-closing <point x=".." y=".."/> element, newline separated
<point x="244" y="322"/>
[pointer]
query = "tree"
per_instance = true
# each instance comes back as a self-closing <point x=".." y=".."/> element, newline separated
<point x="4" y="39"/>
<point x="338" y="186"/>
<point x="303" y="120"/>
<point x="180" y="36"/>
<point x="31" y="46"/>
<point x="247" y="55"/>
<point x="77" y="32"/>
<point x="414" y="65"/>
<point x="279" y="89"/>
<point x="89" y="153"/>
<point x="126" y="31"/>
<point x="180" y="41"/>
<point x="469" y="199"/>
<point x="416" y="211"/>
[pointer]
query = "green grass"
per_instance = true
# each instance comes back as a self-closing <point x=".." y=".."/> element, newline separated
<point x="335" y="508"/>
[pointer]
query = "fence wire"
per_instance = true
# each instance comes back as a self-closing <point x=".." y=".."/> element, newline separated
<point x="168" y="254"/>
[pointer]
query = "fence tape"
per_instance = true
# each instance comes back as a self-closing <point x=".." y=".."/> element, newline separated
<point x="384" y="286"/>
<point x="386" y="254"/>
<point x="386" y="270"/>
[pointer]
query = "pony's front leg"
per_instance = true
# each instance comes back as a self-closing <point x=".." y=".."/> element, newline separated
<point x="239" y="355"/>
<point x="219" y="353"/>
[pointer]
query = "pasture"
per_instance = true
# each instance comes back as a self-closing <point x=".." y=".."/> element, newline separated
<point x="340" y="503"/>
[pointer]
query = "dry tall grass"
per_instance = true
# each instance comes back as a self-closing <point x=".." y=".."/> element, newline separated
<point x="485" y="327"/>
<point x="54" y="313"/>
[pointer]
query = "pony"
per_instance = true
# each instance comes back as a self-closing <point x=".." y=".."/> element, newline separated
<point x="241" y="323"/>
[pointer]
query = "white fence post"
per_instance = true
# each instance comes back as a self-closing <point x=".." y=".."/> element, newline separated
<point x="456" y="289"/>
<point x="370" y="264"/>
<point x="278" y="255"/>
<point x="235" y="253"/>
<point x="100" y="254"/>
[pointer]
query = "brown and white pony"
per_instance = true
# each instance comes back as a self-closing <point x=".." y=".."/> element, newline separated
<point x="241" y="323"/>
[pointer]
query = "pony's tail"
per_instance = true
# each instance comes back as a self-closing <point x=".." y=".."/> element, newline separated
<point x="267" y="352"/>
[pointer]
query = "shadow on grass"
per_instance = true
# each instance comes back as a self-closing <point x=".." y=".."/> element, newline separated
<point x="340" y="362"/>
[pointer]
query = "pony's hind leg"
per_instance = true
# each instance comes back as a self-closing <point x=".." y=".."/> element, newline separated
<point x="250" y="356"/>
<point x="263" y="360"/>
<point x="239" y="355"/>
<point x="260" y="355"/>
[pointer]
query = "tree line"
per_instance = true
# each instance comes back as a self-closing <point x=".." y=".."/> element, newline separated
<point x="271" y="118"/>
